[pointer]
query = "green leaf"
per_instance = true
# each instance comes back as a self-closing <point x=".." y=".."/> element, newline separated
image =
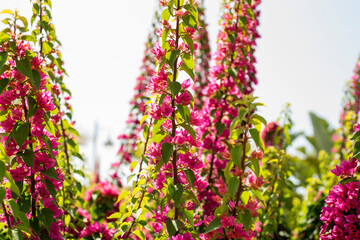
<point x="16" y="234"/>
<point x="188" y="61"/>
<point x="171" y="6"/>
<point x="3" y="58"/>
<point x="2" y="170"/>
<point x="176" y="192"/>
<point x="347" y="180"/>
<point x="46" y="48"/>
<point x="13" y="187"/>
<point x="190" y="176"/>
<point x="193" y="197"/>
<point x="246" y="218"/>
<point x="190" y="130"/>
<point x="236" y="155"/>
<point x="28" y="157"/>
<point x="256" y="166"/>
<point x="190" y="42"/>
<point x="233" y="186"/>
<point x="259" y="196"/>
<point x="20" y="132"/>
<point x="136" y="213"/>
<point x="51" y="173"/>
<point x="255" y="134"/>
<point x="156" y="126"/>
<point x="47" y="142"/>
<point x="175" y="88"/>
<point x="164" y="35"/>
<point x="2" y="193"/>
<point x="356" y="151"/>
<point x="322" y="133"/>
<point x="3" y="83"/>
<point x="167" y="151"/>
<point x="159" y="165"/>
<point x="185" y="112"/>
<point x="46" y="216"/>
<point x="220" y="127"/>
<point x="159" y="136"/>
<point x="140" y="234"/>
<point x="36" y="79"/>
<point x="23" y="218"/>
<point x="242" y="113"/>
<point x="213" y="225"/>
<point x="14" y="208"/>
<point x="51" y="188"/>
<point x="192" y="19"/>
<point x="32" y="107"/>
<point x="165" y="14"/>
<point x="356" y="136"/>
<point x="172" y="226"/>
<point x="24" y="67"/>
<point x="171" y="56"/>
<point x="189" y="216"/>
<point x="329" y="227"/>
<point x="4" y="37"/>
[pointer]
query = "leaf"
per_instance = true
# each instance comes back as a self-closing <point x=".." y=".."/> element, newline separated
<point x="32" y="107"/>
<point x="3" y="83"/>
<point x="13" y="187"/>
<point x="193" y="197"/>
<point x="2" y="170"/>
<point x="184" y="112"/>
<point x="255" y="134"/>
<point x="191" y="19"/>
<point x="233" y="186"/>
<point x="8" y="11"/>
<point x="4" y="37"/>
<point x="329" y="227"/>
<point x="188" y="64"/>
<point x="20" y="132"/>
<point x="242" y="113"/>
<point x="3" y="58"/>
<point x="24" y="67"/>
<point x="236" y="155"/>
<point x="159" y="165"/>
<point x="356" y="136"/>
<point x="156" y="126"/>
<point x="172" y="226"/>
<point x="16" y="234"/>
<point x="167" y="151"/>
<point x="171" y="56"/>
<point x="139" y="233"/>
<point x="246" y="218"/>
<point x="190" y="176"/>
<point x="213" y="225"/>
<point x="347" y="180"/>
<point x="175" y="88"/>
<point x="176" y="192"/>
<point x="159" y="136"/>
<point x="256" y="166"/>
<point x="23" y="218"/>
<point x="322" y="133"/>
<point x="51" y="188"/>
<point x="28" y="157"/>
<point x="189" y="216"/>
<point x="46" y="48"/>
<point x="2" y="193"/>
<point x="356" y="151"/>
<point x="116" y="215"/>
<point x="14" y="208"/>
<point x="190" y="42"/>
<point x="51" y="173"/>
<point x="220" y="127"/>
<point x="46" y="216"/>
<point x="190" y="130"/>
<point x="36" y="79"/>
<point x="165" y="14"/>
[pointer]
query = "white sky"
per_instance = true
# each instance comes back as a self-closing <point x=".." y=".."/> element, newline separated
<point x="306" y="54"/>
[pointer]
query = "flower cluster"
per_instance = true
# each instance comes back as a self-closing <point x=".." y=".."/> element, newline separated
<point x="341" y="215"/>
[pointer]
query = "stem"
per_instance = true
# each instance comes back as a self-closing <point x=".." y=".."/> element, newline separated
<point x="145" y="147"/>
<point x="32" y="175"/>
<point x="133" y="222"/>
<point x="6" y="215"/>
<point x="65" y="147"/>
<point x="173" y="123"/>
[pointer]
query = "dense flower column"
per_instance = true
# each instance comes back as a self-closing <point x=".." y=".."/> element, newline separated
<point x="136" y="122"/>
<point x="30" y="138"/>
<point x="349" y="115"/>
<point x="171" y="160"/>
<point x="341" y="214"/>
<point x="228" y="124"/>
<point x="202" y="56"/>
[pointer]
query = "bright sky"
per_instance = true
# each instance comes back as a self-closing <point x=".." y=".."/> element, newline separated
<point x="306" y="54"/>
